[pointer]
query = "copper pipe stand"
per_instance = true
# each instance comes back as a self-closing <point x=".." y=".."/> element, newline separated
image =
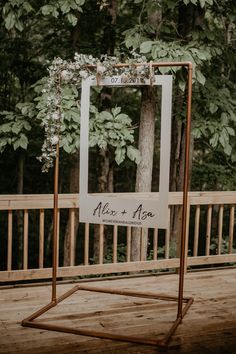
<point x="164" y="342"/>
<point x="183" y="304"/>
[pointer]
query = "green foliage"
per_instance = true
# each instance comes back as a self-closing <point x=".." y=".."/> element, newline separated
<point x="224" y="247"/>
<point x="15" y="127"/>
<point x="15" y="11"/>
<point x="115" y="129"/>
<point x="121" y="253"/>
<point x="202" y="3"/>
<point x="171" y="52"/>
<point x="220" y="131"/>
<point x="59" y="110"/>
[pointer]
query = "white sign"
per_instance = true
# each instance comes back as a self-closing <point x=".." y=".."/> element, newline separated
<point x="122" y="210"/>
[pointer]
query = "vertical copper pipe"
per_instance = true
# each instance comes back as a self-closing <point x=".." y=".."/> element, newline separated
<point x="55" y="226"/>
<point x="185" y="194"/>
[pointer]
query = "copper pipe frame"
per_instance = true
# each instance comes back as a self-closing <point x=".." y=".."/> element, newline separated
<point x="181" y="311"/>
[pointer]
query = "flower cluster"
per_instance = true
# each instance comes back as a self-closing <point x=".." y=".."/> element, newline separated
<point x="63" y="72"/>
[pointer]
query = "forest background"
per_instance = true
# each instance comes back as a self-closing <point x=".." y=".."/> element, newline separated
<point x="33" y="33"/>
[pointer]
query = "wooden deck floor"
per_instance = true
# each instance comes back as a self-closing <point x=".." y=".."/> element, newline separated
<point x="209" y="327"/>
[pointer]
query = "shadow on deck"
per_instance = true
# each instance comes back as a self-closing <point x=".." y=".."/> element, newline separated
<point x="209" y="326"/>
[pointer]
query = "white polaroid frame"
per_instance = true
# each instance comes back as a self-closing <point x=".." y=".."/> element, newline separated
<point x="138" y="211"/>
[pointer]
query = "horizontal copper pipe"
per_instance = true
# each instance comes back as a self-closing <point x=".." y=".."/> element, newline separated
<point x="91" y="333"/>
<point x="155" y="65"/>
<point x="128" y="293"/>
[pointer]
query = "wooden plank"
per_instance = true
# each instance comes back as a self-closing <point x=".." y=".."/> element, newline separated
<point x="86" y="244"/>
<point x="115" y="239"/>
<point x="205" y="329"/>
<point x="113" y="268"/>
<point x="45" y="201"/>
<point x="144" y="241"/>
<point x="155" y="243"/>
<point x="101" y="243"/>
<point x="167" y="237"/>
<point x="187" y="235"/>
<point x="176" y="198"/>
<point x="9" y="241"/>
<point x="220" y="228"/>
<point x="196" y="231"/>
<point x="72" y="236"/>
<point x="128" y="244"/>
<point x="231" y="228"/>
<point x="208" y="229"/>
<point x="37" y="201"/>
<point x="41" y="238"/>
<point x="26" y="235"/>
<point x="58" y="235"/>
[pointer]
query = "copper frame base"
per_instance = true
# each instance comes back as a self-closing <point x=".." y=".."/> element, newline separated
<point x="30" y="321"/>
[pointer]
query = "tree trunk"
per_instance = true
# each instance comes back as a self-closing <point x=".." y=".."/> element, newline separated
<point x="105" y="184"/>
<point x="73" y="188"/>
<point x="144" y="168"/>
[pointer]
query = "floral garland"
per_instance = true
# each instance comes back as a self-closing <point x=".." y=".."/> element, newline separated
<point x="65" y="72"/>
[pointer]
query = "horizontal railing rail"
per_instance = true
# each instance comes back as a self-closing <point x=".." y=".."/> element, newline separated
<point x="26" y="230"/>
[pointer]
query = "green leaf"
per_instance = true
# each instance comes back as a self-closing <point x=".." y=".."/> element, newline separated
<point x="182" y="85"/>
<point x="65" y="8"/>
<point x="27" y="6"/>
<point x="133" y="154"/>
<point x="224" y="138"/>
<point x="93" y="140"/>
<point x="116" y="111"/>
<point x="230" y="131"/>
<point x="200" y="77"/>
<point x="224" y="118"/>
<point x="214" y="140"/>
<point x="202" y="3"/>
<point x="93" y="109"/>
<point x="72" y="19"/>
<point x="197" y="133"/>
<point x="104" y="115"/>
<point x="164" y="70"/>
<point x="213" y="107"/>
<point x="145" y="47"/>
<point x="47" y="9"/>
<point x="16" y="128"/>
<point x="5" y="128"/>
<point x="80" y="2"/>
<point x="228" y="149"/>
<point x="119" y="155"/>
<point x="67" y="148"/>
<point x="3" y="144"/>
<point x="19" y="25"/>
<point x="10" y="20"/>
<point x="23" y="141"/>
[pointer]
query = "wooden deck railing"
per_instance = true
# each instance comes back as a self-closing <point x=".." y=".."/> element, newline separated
<point x="211" y="237"/>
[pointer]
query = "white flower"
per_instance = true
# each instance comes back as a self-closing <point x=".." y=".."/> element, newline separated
<point x="54" y="140"/>
<point x="55" y="116"/>
<point x="83" y="74"/>
<point x="64" y="74"/>
<point x="100" y="69"/>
